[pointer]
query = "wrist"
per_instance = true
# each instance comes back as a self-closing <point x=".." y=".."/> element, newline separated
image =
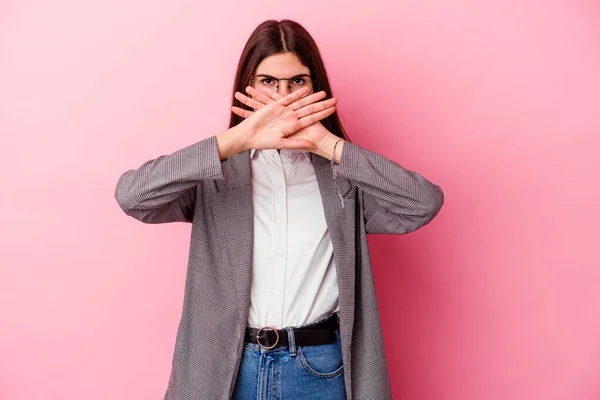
<point x="232" y="141"/>
<point x="325" y="147"/>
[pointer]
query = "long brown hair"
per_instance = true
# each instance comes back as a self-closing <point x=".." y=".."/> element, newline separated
<point x="274" y="37"/>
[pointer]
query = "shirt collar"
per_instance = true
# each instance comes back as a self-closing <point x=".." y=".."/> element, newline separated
<point x="306" y="154"/>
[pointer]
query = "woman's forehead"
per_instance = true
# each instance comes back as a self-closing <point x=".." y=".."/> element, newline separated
<point x="281" y="65"/>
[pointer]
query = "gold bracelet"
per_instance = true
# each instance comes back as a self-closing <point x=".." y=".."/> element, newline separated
<point x="334" y="146"/>
<point x="338" y="190"/>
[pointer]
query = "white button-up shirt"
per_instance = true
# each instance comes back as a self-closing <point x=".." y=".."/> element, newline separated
<point x="293" y="277"/>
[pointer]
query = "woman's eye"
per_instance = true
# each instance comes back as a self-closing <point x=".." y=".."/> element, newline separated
<point x="298" y="81"/>
<point x="267" y="81"/>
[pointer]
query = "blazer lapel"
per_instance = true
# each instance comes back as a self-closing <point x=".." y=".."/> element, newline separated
<point x="341" y="225"/>
<point x="236" y="224"/>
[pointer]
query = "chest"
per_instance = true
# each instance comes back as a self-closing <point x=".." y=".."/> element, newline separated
<point x="285" y="194"/>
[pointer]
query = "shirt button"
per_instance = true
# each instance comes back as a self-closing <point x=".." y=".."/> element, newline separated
<point x="279" y="220"/>
<point x="279" y="253"/>
<point x="276" y="293"/>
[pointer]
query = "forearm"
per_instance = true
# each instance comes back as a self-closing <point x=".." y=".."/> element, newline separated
<point x="396" y="200"/>
<point x="162" y="180"/>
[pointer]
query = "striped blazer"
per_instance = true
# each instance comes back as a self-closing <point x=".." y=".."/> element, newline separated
<point x="194" y="185"/>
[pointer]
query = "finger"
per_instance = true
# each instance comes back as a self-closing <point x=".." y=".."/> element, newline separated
<point x="292" y="97"/>
<point x="312" y="118"/>
<point x="313" y="108"/>
<point x="273" y="96"/>
<point x="263" y="97"/>
<point x="295" y="144"/>
<point x="241" y="112"/>
<point x="250" y="102"/>
<point x="308" y="100"/>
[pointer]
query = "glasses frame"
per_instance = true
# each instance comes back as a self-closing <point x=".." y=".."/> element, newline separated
<point x="254" y="78"/>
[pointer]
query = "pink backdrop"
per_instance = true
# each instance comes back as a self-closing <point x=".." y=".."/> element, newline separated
<point x="497" y="101"/>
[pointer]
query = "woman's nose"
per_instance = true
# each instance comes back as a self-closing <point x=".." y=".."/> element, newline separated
<point x="283" y="90"/>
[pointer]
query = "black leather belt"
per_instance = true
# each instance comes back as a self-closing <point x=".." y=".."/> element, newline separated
<point x="268" y="337"/>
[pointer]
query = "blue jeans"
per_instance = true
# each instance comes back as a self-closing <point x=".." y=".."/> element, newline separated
<point x="292" y="372"/>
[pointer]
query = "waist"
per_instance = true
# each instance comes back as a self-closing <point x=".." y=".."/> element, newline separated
<point x="319" y="332"/>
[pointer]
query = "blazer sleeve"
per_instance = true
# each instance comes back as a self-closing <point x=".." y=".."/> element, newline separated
<point x="395" y="200"/>
<point x="164" y="189"/>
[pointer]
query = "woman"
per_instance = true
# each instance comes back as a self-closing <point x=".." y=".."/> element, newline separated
<point x="279" y="297"/>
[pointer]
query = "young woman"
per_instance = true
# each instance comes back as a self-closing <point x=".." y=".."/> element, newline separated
<point x="279" y="296"/>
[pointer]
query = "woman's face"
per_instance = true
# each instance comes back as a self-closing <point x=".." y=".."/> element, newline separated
<point x="282" y="65"/>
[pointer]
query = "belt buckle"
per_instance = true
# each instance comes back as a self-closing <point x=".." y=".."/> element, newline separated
<point x="258" y="334"/>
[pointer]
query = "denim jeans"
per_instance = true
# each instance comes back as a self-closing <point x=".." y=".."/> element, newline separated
<point x="291" y="371"/>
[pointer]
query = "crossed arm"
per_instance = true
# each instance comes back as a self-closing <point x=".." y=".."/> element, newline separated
<point x="395" y="200"/>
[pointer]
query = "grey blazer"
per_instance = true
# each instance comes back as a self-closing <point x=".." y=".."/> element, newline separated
<point x="193" y="185"/>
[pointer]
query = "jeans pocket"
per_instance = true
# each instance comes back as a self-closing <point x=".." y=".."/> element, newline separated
<point x="322" y="360"/>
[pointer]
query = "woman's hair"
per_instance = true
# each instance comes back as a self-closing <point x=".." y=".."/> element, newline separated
<point x="274" y="37"/>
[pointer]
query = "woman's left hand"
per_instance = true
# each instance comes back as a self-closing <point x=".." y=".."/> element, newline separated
<point x="314" y="133"/>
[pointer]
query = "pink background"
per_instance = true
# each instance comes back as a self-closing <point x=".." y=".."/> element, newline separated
<point x="496" y="101"/>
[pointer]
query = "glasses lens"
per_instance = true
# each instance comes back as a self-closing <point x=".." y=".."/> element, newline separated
<point x="263" y="82"/>
<point x="299" y="82"/>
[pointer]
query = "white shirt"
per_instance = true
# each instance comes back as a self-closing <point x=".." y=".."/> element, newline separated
<point x="293" y="276"/>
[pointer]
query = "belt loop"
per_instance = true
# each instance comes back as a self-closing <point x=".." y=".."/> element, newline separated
<point x="291" y="341"/>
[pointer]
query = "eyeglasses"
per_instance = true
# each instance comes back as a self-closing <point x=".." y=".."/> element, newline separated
<point x="297" y="82"/>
